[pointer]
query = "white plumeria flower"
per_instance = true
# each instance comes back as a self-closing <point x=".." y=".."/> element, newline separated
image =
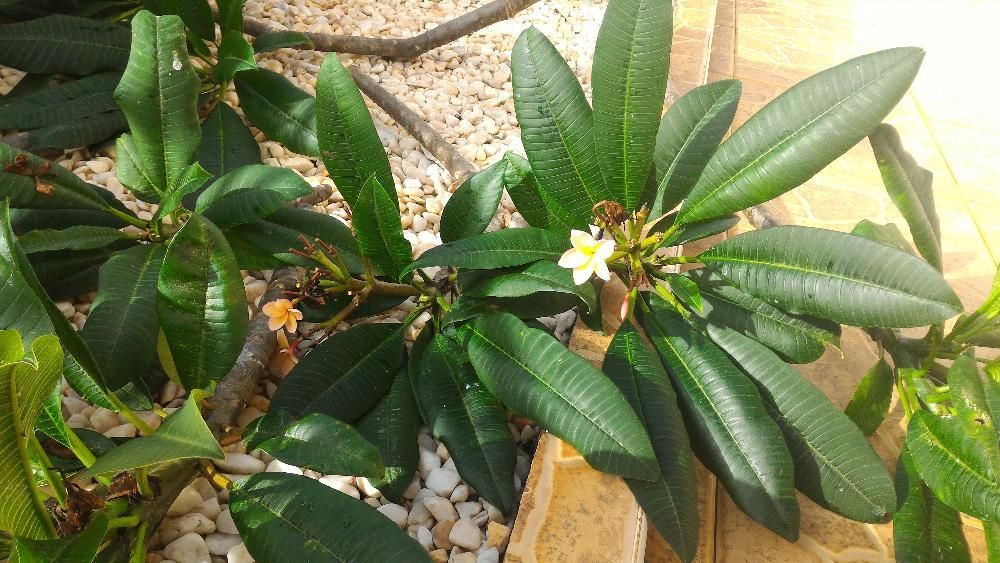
<point x="588" y="256"/>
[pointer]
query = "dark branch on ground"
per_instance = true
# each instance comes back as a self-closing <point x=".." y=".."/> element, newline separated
<point x="410" y="47"/>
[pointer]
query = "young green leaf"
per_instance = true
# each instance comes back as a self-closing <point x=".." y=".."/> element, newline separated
<point x="416" y="353"/>
<point x="61" y="104"/>
<point x="226" y="142"/>
<point x="348" y="141"/>
<point x="670" y="501"/>
<point x="535" y="206"/>
<point x="50" y="419"/>
<point x="325" y="445"/>
<point x="693" y="231"/>
<point x="469" y="420"/>
<point x="924" y="528"/>
<point x="182" y="435"/>
<point x="24" y="386"/>
<point x="834" y="464"/>
<point x="64" y="44"/>
<point x="474" y="204"/>
<point x="541" y="276"/>
<point x="235" y="54"/>
<point x="345" y="375"/>
<point x="870" y="402"/>
<point x="380" y="233"/>
<point x="954" y="464"/>
<point x="726" y="418"/>
<point x="275" y="40"/>
<point x="279" y="108"/>
<point x="888" y="234"/>
<point x="159" y="95"/>
<point x="686" y="290"/>
<point x="81" y="237"/>
<point x="498" y="249"/>
<point x="68" y="191"/>
<point x="250" y="193"/>
<point x="688" y="135"/>
<point x="201" y="304"/>
<point x="909" y="186"/>
<point x="191" y="180"/>
<point x="557" y="129"/>
<point x="25" y="307"/>
<point x="122" y="326"/>
<point x="631" y="58"/>
<point x="535" y="375"/>
<point x="801" y="131"/>
<point x="78" y="548"/>
<point x="285" y="517"/>
<point x="392" y="426"/>
<point x="836" y="276"/>
<point x="798" y="339"/>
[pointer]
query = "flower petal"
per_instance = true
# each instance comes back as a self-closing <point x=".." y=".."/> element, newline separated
<point x="272" y="308"/>
<point x="594" y="230"/>
<point x="275" y="323"/>
<point x="601" y="269"/>
<point x="291" y="324"/>
<point x="573" y="258"/>
<point x="604" y="249"/>
<point x="583" y="273"/>
<point x="580" y="239"/>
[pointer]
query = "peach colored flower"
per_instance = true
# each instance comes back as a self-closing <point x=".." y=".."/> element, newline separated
<point x="588" y="256"/>
<point x="282" y="313"/>
<point x="286" y="356"/>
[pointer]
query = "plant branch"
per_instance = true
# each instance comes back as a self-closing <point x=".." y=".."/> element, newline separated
<point x="442" y="150"/>
<point x="410" y="47"/>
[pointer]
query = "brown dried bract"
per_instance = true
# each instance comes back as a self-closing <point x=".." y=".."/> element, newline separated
<point x="124" y="485"/>
<point x="80" y="504"/>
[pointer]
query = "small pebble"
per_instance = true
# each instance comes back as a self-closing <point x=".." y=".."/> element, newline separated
<point x="189" y="548"/>
<point x="224" y="523"/>
<point x="239" y="554"/>
<point x="220" y="544"/>
<point x="442" y="481"/>
<point x="440" y="508"/>
<point x="465" y="533"/>
<point x="394" y="512"/>
<point x="185" y="502"/>
<point x="241" y="464"/>
<point x="441" y="532"/>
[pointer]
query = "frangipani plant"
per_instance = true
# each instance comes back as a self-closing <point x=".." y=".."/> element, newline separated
<point x="700" y="366"/>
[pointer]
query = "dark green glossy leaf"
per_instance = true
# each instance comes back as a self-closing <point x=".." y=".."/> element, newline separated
<point x="801" y="131"/>
<point x="25" y="383"/>
<point x="534" y="205"/>
<point x="836" y="276"/>
<point x="834" y="464"/>
<point x="631" y="58"/>
<point x="499" y="249"/>
<point x="275" y="40"/>
<point x="50" y="419"/>
<point x="535" y="375"/>
<point x="69" y="191"/>
<point x="61" y="104"/>
<point x="472" y="207"/>
<point x="235" y="55"/>
<point x="81" y="547"/>
<point x="325" y="445"/>
<point x="924" y="528"/>
<point x="284" y="517"/>
<point x="392" y="425"/>
<point x="380" y="233"/>
<point x="693" y="231"/>
<point x="78" y="133"/>
<point x="226" y="142"/>
<point x="182" y="435"/>
<point x="197" y="14"/>
<point x="348" y="141"/>
<point x="726" y="418"/>
<point x="64" y="44"/>
<point x="73" y="238"/>
<point x="159" y="95"/>
<point x="469" y="420"/>
<point x="909" y="186"/>
<point x="541" y="276"/>
<point x="345" y="375"/>
<point x="888" y="234"/>
<point x="122" y="325"/>
<point x="374" y="304"/>
<point x="870" y="402"/>
<point x="263" y="428"/>
<point x="279" y="108"/>
<point x="250" y="193"/>
<point x="799" y="339"/>
<point x="201" y="304"/>
<point x="230" y="14"/>
<point x="670" y="502"/>
<point x="685" y="289"/>
<point x="954" y="464"/>
<point x="557" y="129"/>
<point x="689" y="133"/>
<point x="191" y="180"/>
<point x="413" y="362"/>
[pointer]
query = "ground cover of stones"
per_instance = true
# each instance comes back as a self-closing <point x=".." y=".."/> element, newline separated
<point x="464" y="91"/>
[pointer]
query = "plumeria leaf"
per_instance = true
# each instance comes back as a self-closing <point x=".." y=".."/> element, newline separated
<point x="64" y="103"/>
<point x="226" y="142"/>
<point x="535" y="375"/>
<point x="888" y="234"/>
<point x="532" y="203"/>
<point x="670" y="501"/>
<point x="60" y="43"/>
<point x="68" y="191"/>
<point x="729" y="425"/>
<point x="541" y="276"/>
<point x="182" y="435"/>
<point x="197" y="14"/>
<point x="82" y="237"/>
<point x="78" y="548"/>
<point x="392" y="425"/>
<point x="870" y="402"/>
<point x="469" y="420"/>
<point x="325" y="445"/>
<point x="201" y="304"/>
<point x="380" y="232"/>
<point x="235" y="55"/>
<point x="279" y="108"/>
<point x="345" y="375"/>
<point x="475" y="202"/>
<point x="499" y="249"/>
<point x="275" y="40"/>
<point x="924" y="528"/>
<point x="250" y="193"/>
<point x="686" y="290"/>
